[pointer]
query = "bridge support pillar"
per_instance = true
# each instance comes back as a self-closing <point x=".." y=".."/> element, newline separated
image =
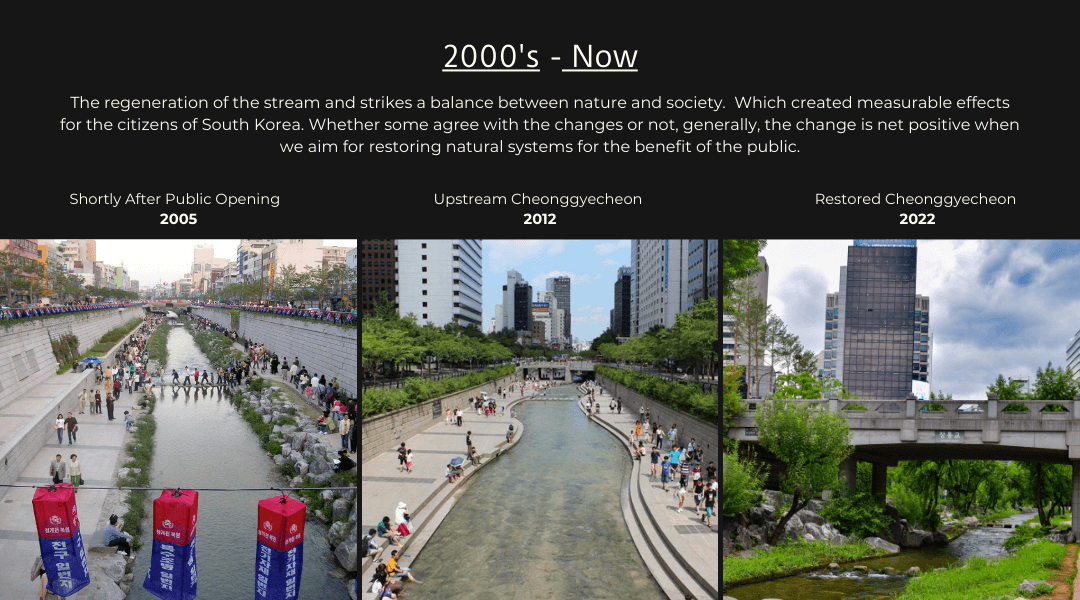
<point x="1075" y="500"/>
<point x="878" y="483"/>
<point x="848" y="470"/>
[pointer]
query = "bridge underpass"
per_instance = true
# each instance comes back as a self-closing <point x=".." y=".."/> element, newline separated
<point x="890" y="431"/>
<point x="545" y="369"/>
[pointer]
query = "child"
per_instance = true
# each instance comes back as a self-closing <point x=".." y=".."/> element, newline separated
<point x="681" y="495"/>
<point x="655" y="461"/>
<point x="665" y="471"/>
<point x="408" y="460"/>
<point x="450" y="473"/>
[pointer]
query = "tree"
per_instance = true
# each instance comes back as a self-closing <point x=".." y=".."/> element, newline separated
<point x="740" y="262"/>
<point x="1051" y="484"/>
<point x="733" y="405"/>
<point x="751" y="317"/>
<point x="811" y="442"/>
<point x="1006" y="390"/>
<point x="1054" y="384"/>
<point x="743" y="482"/>
<point x="608" y="337"/>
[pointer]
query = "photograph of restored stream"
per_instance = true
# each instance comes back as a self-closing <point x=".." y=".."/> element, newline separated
<point x="847" y="585"/>
<point x="202" y="442"/>
<point x="542" y="521"/>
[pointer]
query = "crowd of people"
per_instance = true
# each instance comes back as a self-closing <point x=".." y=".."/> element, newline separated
<point x="24" y="311"/>
<point x="289" y="310"/>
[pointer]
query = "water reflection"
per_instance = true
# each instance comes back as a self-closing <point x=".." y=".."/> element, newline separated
<point x="201" y="441"/>
<point x="543" y="521"/>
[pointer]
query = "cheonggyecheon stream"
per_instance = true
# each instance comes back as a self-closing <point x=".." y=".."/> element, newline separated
<point x="543" y="520"/>
<point x="202" y="442"/>
<point x="847" y="584"/>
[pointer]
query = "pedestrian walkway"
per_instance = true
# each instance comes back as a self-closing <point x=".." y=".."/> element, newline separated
<point x="691" y="542"/>
<point x="99" y="446"/>
<point x="426" y="490"/>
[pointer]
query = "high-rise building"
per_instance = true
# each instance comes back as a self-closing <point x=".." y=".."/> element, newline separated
<point x="620" y="315"/>
<point x="761" y="289"/>
<point x="877" y="328"/>
<point x="561" y="287"/>
<point x="441" y="281"/>
<point x="1072" y="356"/>
<point x="703" y="260"/>
<point x="513" y="278"/>
<point x="659" y="283"/>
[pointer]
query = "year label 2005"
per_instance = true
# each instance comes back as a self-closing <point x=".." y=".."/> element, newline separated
<point x="917" y="219"/>
<point x="540" y="219"/>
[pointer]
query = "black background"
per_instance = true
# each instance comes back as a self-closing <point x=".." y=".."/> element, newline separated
<point x="322" y="53"/>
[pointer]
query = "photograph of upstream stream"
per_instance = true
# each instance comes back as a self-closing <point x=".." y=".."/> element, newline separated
<point x="201" y="441"/>
<point x="543" y="520"/>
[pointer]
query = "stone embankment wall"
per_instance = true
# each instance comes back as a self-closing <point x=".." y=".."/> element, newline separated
<point x="382" y="433"/>
<point x="707" y="435"/>
<point x="322" y="348"/>
<point x="26" y="358"/>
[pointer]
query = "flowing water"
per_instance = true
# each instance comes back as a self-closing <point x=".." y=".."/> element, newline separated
<point x="203" y="442"/>
<point x="544" y="520"/>
<point x="846" y="585"/>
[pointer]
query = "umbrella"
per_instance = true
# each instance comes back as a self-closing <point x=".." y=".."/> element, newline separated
<point x="457" y="461"/>
<point x="92" y="360"/>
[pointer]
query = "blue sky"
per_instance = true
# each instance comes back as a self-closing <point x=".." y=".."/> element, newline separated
<point x="592" y="266"/>
<point x="996" y="306"/>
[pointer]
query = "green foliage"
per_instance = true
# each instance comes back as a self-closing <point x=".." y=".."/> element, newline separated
<point x="733" y="405"/>
<point x="417" y="390"/>
<point x="740" y="262"/>
<point x="1055" y="384"/>
<point x="157" y="345"/>
<point x="217" y="347"/>
<point x="854" y="407"/>
<point x="793" y="556"/>
<point x="65" y="348"/>
<point x="687" y="398"/>
<point x="1023" y="534"/>
<point x="743" y="482"/>
<point x="858" y="514"/>
<point x="1006" y="390"/>
<point x="1054" y="408"/>
<point x="917" y="489"/>
<point x="1016" y="408"/>
<point x="935" y="406"/>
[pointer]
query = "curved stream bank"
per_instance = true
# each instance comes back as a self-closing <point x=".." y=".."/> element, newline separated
<point x="544" y="520"/>
<point x="979" y="541"/>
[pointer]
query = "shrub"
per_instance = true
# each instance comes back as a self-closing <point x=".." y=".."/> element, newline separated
<point x="854" y="407"/>
<point x="1016" y="408"/>
<point x="1023" y="534"/>
<point x="743" y="481"/>
<point x="1054" y="408"/>
<point x="857" y="514"/>
<point x="934" y="407"/>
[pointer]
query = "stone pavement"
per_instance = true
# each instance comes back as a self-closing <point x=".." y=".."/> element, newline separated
<point x="694" y="543"/>
<point x="426" y="491"/>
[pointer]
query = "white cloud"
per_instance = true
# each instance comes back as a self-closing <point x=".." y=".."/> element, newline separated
<point x="609" y="262"/>
<point x="505" y="255"/>
<point x="609" y="247"/>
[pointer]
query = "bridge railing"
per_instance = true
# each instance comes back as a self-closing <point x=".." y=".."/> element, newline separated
<point x="911" y="408"/>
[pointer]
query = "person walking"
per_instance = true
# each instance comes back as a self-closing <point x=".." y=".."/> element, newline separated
<point x="72" y="427"/>
<point x="681" y="494"/>
<point x="76" y="473"/>
<point x="58" y="469"/>
<point x="82" y="401"/>
<point x="97" y="401"/>
<point x="408" y="460"/>
<point x="59" y="427"/>
<point x="468" y="442"/>
<point x="187" y="375"/>
<point x="699" y="493"/>
<point x="659" y="436"/>
<point x="175" y="377"/>
<point x="460" y="416"/>
<point x="641" y="414"/>
<point x="710" y="502"/>
<point x="665" y="472"/>
<point x="619" y="404"/>
<point x="655" y="456"/>
<point x="673" y="434"/>
<point x="109" y="401"/>
<point x="449" y="418"/>
<point x="402" y="455"/>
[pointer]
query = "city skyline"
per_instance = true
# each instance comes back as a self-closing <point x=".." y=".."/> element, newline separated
<point x="997" y="306"/>
<point x="142" y="258"/>
<point x="591" y="265"/>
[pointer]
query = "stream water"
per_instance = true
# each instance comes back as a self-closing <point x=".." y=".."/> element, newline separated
<point x="203" y="442"/>
<point x="544" y="520"/>
<point x="846" y="585"/>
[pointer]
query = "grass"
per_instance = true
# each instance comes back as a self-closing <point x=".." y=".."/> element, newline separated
<point x="140" y="456"/>
<point x="157" y="344"/>
<point x="979" y="578"/>
<point x="1001" y="514"/>
<point x="106" y="342"/>
<point x="795" y="556"/>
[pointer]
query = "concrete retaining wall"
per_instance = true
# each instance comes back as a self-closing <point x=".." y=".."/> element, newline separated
<point x="384" y="432"/>
<point x="322" y="348"/>
<point x="26" y="358"/>
<point x="707" y="435"/>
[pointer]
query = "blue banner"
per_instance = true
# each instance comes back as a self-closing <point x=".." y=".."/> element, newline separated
<point x="172" y="574"/>
<point x="277" y="574"/>
<point x="65" y="564"/>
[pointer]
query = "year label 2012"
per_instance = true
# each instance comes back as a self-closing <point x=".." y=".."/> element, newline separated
<point x="540" y="219"/>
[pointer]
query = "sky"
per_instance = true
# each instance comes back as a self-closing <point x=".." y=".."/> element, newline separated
<point x="154" y="261"/>
<point x="591" y="265"/>
<point x="996" y="306"/>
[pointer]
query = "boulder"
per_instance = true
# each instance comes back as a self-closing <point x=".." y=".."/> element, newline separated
<point x="349" y="494"/>
<point x="912" y="572"/>
<point x="112" y="566"/>
<point x="757" y="534"/>
<point x="286" y="448"/>
<point x="794" y="529"/>
<point x="765" y="548"/>
<point x="321" y="517"/>
<point x="898" y="530"/>
<point x="1031" y="586"/>
<point x="1060" y="538"/>
<point x="917" y="539"/>
<point x="808" y="538"/>
<point x="808" y="517"/>
<point x="815" y="531"/>
<point x="728" y="546"/>
<point x="267" y="418"/>
<point x="337" y="533"/>
<point x="861" y="569"/>
<point x="762" y="513"/>
<point x="341" y="509"/>
<point x="888" y="571"/>
<point x="301" y="467"/>
<point x="876" y="542"/>
<point x="970" y="521"/>
<point x="940" y="538"/>
<point x="838" y="540"/>
<point x="279" y="460"/>
<point x="319" y="480"/>
<point x="326" y="496"/>
<point x="345" y="554"/>
<point x="742" y="538"/>
<point x="834" y="567"/>
<point x="815" y="506"/>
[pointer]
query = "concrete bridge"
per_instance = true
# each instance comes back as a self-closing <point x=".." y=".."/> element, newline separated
<point x="890" y="431"/>
<point x="536" y="368"/>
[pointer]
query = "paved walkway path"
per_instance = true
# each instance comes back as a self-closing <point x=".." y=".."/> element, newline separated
<point x="703" y="542"/>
